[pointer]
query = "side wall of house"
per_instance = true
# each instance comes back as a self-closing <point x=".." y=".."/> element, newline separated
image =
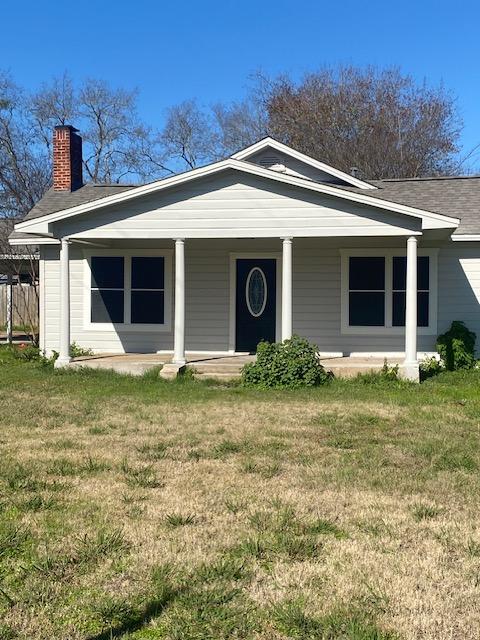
<point x="316" y="299"/>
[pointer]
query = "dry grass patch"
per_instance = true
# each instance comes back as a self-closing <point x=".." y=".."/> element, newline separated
<point x="143" y="509"/>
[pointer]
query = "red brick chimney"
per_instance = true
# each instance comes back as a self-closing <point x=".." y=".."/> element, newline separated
<point x="67" y="159"/>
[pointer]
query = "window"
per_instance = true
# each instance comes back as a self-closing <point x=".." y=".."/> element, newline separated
<point x="107" y="286"/>
<point x="374" y="291"/>
<point x="366" y="291"/>
<point x="256" y="292"/>
<point x="148" y="281"/>
<point x="129" y="290"/>
<point x="399" y="290"/>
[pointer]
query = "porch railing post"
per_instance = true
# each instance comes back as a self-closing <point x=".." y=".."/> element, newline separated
<point x="64" y="350"/>
<point x="287" y="271"/>
<point x="179" y="331"/>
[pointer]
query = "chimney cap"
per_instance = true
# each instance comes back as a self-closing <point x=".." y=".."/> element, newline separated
<point x="60" y="127"/>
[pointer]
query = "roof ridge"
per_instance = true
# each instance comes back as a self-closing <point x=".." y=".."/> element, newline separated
<point x="428" y="178"/>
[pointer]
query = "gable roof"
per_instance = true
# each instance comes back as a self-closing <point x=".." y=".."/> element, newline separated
<point x="54" y="201"/>
<point x="457" y="196"/>
<point x="354" y="194"/>
<point x="270" y="143"/>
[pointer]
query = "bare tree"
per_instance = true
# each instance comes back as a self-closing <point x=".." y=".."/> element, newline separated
<point x="24" y="167"/>
<point x="54" y="104"/>
<point x="189" y="135"/>
<point x="380" y="121"/>
<point x="117" y="144"/>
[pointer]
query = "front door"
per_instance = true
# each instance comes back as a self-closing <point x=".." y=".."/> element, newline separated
<point x="256" y="302"/>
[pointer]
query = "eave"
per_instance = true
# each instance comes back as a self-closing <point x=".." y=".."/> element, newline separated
<point x="244" y="168"/>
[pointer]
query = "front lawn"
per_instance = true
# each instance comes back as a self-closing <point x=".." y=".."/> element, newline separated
<point x="138" y="508"/>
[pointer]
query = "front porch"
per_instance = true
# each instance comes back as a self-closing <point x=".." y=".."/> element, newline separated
<point x="219" y="367"/>
<point x="202" y="300"/>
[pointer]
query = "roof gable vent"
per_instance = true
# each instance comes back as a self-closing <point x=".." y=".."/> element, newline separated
<point x="269" y="161"/>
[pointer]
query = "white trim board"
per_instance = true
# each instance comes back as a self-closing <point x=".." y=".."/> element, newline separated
<point x="14" y="242"/>
<point x="246" y="168"/>
<point x="466" y="237"/>
<point x="388" y="329"/>
<point x="127" y="327"/>
<point x="271" y="143"/>
<point x="275" y="255"/>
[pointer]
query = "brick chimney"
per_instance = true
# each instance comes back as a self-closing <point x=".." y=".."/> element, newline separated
<point x="67" y="159"/>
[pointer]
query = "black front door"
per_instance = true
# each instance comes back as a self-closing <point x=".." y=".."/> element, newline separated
<point x="255" y="303"/>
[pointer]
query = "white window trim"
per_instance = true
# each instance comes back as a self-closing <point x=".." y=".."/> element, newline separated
<point x="388" y="329"/>
<point x="127" y="326"/>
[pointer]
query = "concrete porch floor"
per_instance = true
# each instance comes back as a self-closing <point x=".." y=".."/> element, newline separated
<point x="219" y="366"/>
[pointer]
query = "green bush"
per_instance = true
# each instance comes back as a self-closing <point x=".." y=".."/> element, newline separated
<point x="287" y="365"/>
<point x="430" y="367"/>
<point x="387" y="375"/>
<point x="457" y="347"/>
<point x="76" y="351"/>
<point x="27" y="352"/>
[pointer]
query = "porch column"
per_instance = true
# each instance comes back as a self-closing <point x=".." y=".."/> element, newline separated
<point x="179" y="334"/>
<point x="9" y="308"/>
<point x="287" y="289"/>
<point x="64" y="351"/>
<point x="411" y="362"/>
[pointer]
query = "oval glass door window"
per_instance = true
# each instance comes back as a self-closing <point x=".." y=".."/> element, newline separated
<point x="256" y="292"/>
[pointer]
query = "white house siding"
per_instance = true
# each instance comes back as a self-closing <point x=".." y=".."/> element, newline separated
<point x="316" y="296"/>
<point x="459" y="286"/>
<point x="235" y="207"/>
<point x="301" y="168"/>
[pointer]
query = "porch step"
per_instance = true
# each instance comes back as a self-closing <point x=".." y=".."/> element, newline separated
<point x="204" y="367"/>
<point x="130" y="368"/>
<point x="219" y="367"/>
<point x="211" y="375"/>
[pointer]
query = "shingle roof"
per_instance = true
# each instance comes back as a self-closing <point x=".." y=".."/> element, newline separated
<point x="458" y="197"/>
<point x="6" y="231"/>
<point x="54" y="201"/>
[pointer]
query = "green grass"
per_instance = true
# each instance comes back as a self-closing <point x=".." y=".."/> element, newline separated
<point x="138" y="508"/>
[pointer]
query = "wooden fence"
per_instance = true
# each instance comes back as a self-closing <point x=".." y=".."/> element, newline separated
<point x="24" y="305"/>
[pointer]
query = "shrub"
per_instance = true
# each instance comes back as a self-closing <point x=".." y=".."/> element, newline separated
<point x="387" y="375"/>
<point x="457" y="347"/>
<point x="389" y="372"/>
<point x="430" y="367"/>
<point x="287" y="365"/>
<point x="27" y="352"/>
<point x="76" y="351"/>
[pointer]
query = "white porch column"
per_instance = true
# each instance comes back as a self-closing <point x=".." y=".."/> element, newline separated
<point x="287" y="312"/>
<point x="179" y="334"/>
<point x="64" y="352"/>
<point x="9" y="308"/>
<point x="411" y="362"/>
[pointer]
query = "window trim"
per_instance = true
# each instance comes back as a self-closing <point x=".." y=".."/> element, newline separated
<point x="127" y="255"/>
<point x="387" y="329"/>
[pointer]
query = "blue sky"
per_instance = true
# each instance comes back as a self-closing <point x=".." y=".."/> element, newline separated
<point x="173" y="50"/>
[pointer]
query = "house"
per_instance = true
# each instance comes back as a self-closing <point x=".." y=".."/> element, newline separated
<point x="266" y="243"/>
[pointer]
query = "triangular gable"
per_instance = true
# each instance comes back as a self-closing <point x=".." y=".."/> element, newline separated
<point x="245" y="167"/>
<point x="269" y="152"/>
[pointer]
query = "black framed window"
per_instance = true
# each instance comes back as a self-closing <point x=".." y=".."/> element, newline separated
<point x="107" y="289"/>
<point x="376" y="290"/>
<point x="148" y="290"/>
<point x="366" y="291"/>
<point x="399" y="286"/>
<point x="138" y="298"/>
